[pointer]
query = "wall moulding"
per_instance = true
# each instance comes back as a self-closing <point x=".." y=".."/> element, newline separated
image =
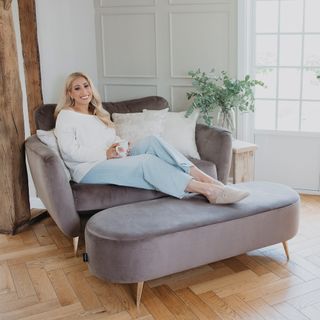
<point x="178" y="96"/>
<point x="182" y="35"/>
<point x="197" y="2"/>
<point x="127" y="3"/>
<point x="185" y="54"/>
<point x="125" y="91"/>
<point x="116" y="46"/>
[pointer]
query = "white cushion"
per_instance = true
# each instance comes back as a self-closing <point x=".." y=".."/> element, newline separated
<point x="48" y="138"/>
<point x="135" y="126"/>
<point x="179" y="131"/>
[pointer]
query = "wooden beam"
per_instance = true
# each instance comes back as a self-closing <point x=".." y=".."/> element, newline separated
<point x="14" y="195"/>
<point x="30" y="52"/>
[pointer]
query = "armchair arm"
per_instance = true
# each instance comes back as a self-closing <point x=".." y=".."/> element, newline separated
<point x="52" y="186"/>
<point x="215" y="145"/>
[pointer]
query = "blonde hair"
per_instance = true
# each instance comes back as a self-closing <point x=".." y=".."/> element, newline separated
<point x="95" y="105"/>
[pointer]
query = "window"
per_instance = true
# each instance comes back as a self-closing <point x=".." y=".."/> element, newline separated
<point x="287" y="60"/>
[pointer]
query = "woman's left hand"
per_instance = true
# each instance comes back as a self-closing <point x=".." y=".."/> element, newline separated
<point x="112" y="152"/>
<point x="129" y="148"/>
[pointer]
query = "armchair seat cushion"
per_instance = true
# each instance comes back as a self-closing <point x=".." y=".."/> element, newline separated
<point x="90" y="198"/>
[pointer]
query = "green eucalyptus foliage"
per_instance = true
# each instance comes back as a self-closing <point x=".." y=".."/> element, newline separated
<point x="220" y="93"/>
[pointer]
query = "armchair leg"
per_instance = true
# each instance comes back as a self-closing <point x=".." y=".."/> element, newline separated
<point x="286" y="249"/>
<point x="139" y="292"/>
<point x="75" y="245"/>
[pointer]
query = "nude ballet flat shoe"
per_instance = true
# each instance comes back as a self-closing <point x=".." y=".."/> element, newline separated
<point x="228" y="196"/>
<point x="218" y="183"/>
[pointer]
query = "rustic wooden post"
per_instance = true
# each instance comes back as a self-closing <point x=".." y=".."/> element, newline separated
<point x="30" y="51"/>
<point x="14" y="195"/>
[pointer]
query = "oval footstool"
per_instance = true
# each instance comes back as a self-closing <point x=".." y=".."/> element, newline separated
<point x="150" y="239"/>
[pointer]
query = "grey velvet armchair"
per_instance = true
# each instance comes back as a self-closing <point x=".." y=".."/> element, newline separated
<point x="69" y="203"/>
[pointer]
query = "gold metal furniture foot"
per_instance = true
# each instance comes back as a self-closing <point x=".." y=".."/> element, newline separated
<point x="75" y="245"/>
<point x="139" y="292"/>
<point x="286" y="249"/>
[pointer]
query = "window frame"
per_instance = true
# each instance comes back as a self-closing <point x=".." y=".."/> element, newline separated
<point x="247" y="65"/>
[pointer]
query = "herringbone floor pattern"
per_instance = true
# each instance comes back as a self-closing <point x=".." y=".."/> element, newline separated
<point x="40" y="279"/>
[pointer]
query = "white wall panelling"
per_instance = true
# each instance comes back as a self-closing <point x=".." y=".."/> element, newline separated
<point x="151" y="45"/>
<point x="197" y="2"/>
<point x="116" y="92"/>
<point x="178" y="97"/>
<point x="129" y="45"/>
<point x="126" y="3"/>
<point x="192" y="48"/>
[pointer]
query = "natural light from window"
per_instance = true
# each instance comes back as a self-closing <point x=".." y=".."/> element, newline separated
<point x="287" y="60"/>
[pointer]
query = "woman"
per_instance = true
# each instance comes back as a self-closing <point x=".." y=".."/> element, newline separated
<point x="88" y="144"/>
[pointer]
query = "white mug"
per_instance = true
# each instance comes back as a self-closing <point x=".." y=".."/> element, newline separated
<point x="123" y="145"/>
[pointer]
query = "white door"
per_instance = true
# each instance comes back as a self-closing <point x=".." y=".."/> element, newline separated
<point x="287" y="118"/>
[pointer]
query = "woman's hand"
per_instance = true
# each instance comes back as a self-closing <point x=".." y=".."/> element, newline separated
<point x="129" y="148"/>
<point x="112" y="152"/>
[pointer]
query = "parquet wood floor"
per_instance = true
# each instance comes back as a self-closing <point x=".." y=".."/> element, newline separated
<point x="40" y="279"/>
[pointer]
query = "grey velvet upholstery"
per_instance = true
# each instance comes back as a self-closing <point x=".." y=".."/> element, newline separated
<point x="52" y="186"/>
<point x="147" y="240"/>
<point x="44" y="118"/>
<point x="68" y="202"/>
<point x="215" y="146"/>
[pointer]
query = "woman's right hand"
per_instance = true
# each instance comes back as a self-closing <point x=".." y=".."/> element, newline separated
<point x="112" y="152"/>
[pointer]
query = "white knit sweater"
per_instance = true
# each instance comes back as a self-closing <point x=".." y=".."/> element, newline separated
<point x="83" y="141"/>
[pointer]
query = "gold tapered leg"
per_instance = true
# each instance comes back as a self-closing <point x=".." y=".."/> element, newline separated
<point x="286" y="249"/>
<point x="75" y="245"/>
<point x="139" y="292"/>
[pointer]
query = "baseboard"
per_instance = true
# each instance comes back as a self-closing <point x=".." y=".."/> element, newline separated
<point x="308" y="192"/>
<point x="36" y="203"/>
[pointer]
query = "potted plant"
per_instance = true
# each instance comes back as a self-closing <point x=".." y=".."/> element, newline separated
<point x="223" y="94"/>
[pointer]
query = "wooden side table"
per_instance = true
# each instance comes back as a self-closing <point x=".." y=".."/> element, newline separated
<point x="242" y="165"/>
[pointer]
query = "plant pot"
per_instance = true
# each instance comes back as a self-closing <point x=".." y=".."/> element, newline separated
<point x="226" y="119"/>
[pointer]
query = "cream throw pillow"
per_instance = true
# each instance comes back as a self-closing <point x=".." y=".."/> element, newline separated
<point x="135" y="126"/>
<point x="179" y="131"/>
<point x="48" y="138"/>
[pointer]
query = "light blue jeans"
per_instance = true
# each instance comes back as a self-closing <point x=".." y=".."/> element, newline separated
<point x="153" y="164"/>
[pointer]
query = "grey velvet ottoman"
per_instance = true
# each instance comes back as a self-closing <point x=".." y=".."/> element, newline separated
<point x="150" y="239"/>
